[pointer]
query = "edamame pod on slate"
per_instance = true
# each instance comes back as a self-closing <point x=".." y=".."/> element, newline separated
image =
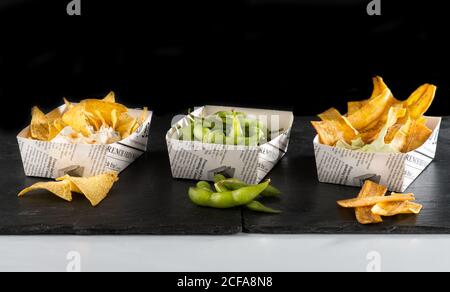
<point x="234" y="184"/>
<point x="259" y="207"/>
<point x="230" y="199"/>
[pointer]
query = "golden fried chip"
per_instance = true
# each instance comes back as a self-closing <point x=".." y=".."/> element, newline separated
<point x="114" y="119"/>
<point x="143" y="116"/>
<point x="396" y="208"/>
<point x="95" y="188"/>
<point x="371" y="201"/>
<point x="371" y="111"/>
<point x="104" y="108"/>
<point x="39" y="128"/>
<point x="77" y="119"/>
<point x="61" y="189"/>
<point x="364" y="215"/>
<point x="354" y="106"/>
<point x="420" y="101"/>
<point x="125" y="125"/>
<point x="73" y="187"/>
<point x="94" y="121"/>
<point x="418" y="135"/>
<point x="101" y="118"/>
<point x="334" y="127"/>
<point x="68" y="104"/>
<point x="111" y="97"/>
<point x="378" y="87"/>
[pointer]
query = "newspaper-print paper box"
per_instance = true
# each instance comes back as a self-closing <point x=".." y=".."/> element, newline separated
<point x="201" y="161"/>
<point x="397" y="171"/>
<point x="52" y="159"/>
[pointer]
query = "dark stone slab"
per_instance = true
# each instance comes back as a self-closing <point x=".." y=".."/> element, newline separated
<point x="310" y="207"/>
<point x="146" y="200"/>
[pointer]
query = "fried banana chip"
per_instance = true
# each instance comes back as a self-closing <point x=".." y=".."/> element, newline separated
<point x="390" y="118"/>
<point x="371" y="201"/>
<point x="364" y="215"/>
<point x="60" y="189"/>
<point x="334" y="127"/>
<point x="371" y="111"/>
<point x="418" y="135"/>
<point x="420" y="101"/>
<point x="396" y="208"/>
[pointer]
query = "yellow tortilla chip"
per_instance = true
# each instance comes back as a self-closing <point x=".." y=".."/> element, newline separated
<point x="39" y="128"/>
<point x="73" y="187"/>
<point x="103" y="107"/>
<point x="94" y="121"/>
<point x="114" y="118"/>
<point x="111" y="97"/>
<point x="68" y="104"/>
<point x="334" y="127"/>
<point x="95" y="188"/>
<point x="77" y="119"/>
<point x="125" y="125"/>
<point x="143" y="116"/>
<point x="61" y="189"/>
<point x="420" y="101"/>
<point x="102" y="119"/>
<point x="364" y="215"/>
<point x="371" y="201"/>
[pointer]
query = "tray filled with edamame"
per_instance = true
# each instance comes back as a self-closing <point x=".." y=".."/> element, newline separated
<point x="242" y="143"/>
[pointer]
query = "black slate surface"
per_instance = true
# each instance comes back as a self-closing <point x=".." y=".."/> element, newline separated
<point x="146" y="200"/>
<point x="310" y="207"/>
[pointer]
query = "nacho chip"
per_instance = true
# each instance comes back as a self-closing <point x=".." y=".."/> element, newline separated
<point x="73" y="187"/>
<point x="114" y="119"/>
<point x="420" y="101"/>
<point x="103" y="107"/>
<point x="371" y="111"/>
<point x="61" y="189"/>
<point x="39" y="128"/>
<point x="371" y="201"/>
<point x="101" y="118"/>
<point x="111" y="97"/>
<point x="95" y="188"/>
<point x="125" y="125"/>
<point x="77" y="119"/>
<point x="143" y="116"/>
<point x="364" y="215"/>
<point x="94" y="121"/>
<point x="334" y="127"/>
<point x="68" y="104"/>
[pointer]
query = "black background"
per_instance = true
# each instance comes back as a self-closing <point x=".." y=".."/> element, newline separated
<point x="305" y="55"/>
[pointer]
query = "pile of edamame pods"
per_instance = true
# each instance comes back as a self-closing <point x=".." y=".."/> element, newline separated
<point x="230" y="193"/>
<point x="227" y="128"/>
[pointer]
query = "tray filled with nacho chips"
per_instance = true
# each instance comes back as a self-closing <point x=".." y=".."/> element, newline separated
<point x="87" y="138"/>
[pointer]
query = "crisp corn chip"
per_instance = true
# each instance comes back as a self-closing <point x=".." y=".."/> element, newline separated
<point x="103" y="107"/>
<point x="143" y="116"/>
<point x="61" y="189"/>
<point x="364" y="215"/>
<point x="371" y="111"/>
<point x="73" y="187"/>
<point x="77" y="119"/>
<point x="135" y="128"/>
<point x="114" y="118"/>
<point x="95" y="188"/>
<point x="94" y="121"/>
<point x="420" y="101"/>
<point x="68" y="104"/>
<point x="396" y="208"/>
<point x="371" y="201"/>
<point x="101" y="118"/>
<point x="125" y="125"/>
<point x="334" y="127"/>
<point x="111" y="97"/>
<point x="39" y="128"/>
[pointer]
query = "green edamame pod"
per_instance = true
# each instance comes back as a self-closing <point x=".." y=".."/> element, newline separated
<point x="234" y="184"/>
<point x="204" y="185"/>
<point x="219" y="177"/>
<point x="242" y="196"/>
<point x="220" y="188"/>
<point x="259" y="207"/>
